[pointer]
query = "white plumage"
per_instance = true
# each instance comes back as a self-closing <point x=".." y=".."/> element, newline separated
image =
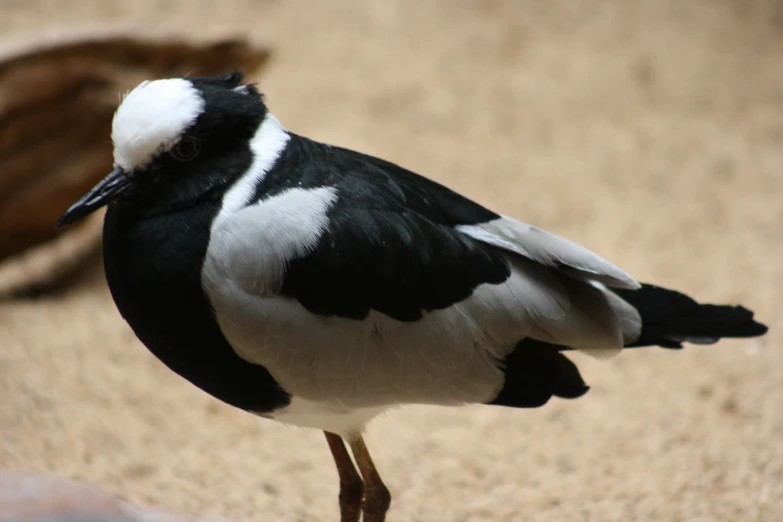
<point x="151" y="119"/>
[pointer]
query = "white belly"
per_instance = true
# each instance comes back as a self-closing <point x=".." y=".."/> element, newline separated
<point x="328" y="416"/>
<point x="372" y="363"/>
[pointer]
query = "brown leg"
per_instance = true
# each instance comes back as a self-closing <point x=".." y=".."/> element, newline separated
<point x="351" y="486"/>
<point x="376" y="496"/>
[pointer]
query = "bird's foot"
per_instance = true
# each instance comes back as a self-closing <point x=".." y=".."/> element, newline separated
<point x="376" y="502"/>
<point x="351" y="495"/>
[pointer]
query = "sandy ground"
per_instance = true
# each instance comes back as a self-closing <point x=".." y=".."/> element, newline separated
<point x="650" y="131"/>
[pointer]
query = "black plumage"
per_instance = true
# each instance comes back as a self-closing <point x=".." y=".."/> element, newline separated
<point x="535" y="372"/>
<point x="670" y="318"/>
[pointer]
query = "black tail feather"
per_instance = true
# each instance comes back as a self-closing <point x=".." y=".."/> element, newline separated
<point x="670" y="318"/>
<point x="536" y="371"/>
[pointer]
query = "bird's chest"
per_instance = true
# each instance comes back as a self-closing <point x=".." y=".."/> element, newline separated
<point x="153" y="269"/>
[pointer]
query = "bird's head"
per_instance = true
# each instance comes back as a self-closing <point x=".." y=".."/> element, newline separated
<point x="175" y="141"/>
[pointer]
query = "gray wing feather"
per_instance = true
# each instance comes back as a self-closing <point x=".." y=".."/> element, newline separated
<point x="549" y="250"/>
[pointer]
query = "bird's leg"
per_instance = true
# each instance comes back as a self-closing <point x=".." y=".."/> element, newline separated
<point x="376" y="496"/>
<point x="351" y="486"/>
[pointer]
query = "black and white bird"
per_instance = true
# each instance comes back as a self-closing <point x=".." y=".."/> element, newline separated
<point x="319" y="287"/>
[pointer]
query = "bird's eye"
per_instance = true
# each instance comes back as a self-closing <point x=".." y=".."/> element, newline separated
<point x="186" y="149"/>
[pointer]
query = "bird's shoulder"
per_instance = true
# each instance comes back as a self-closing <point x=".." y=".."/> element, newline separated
<point x="346" y="233"/>
<point x="366" y="182"/>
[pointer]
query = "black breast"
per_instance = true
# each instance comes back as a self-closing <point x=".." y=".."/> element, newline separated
<point x="153" y="268"/>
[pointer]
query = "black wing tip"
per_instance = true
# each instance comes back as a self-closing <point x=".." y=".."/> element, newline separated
<point x="743" y="323"/>
<point x="735" y="323"/>
<point x="535" y="372"/>
<point x="670" y="318"/>
<point x="572" y="392"/>
<point x="752" y="329"/>
<point x="760" y="329"/>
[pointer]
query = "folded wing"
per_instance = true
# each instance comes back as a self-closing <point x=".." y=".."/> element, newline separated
<point x="404" y="290"/>
<point x="549" y="250"/>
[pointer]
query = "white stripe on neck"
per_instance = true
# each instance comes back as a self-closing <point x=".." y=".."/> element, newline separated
<point x="267" y="145"/>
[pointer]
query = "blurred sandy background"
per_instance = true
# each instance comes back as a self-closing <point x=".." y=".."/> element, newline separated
<point x="650" y="131"/>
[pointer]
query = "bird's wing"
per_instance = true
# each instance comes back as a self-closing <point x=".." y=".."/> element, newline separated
<point x="378" y="275"/>
<point x="448" y="207"/>
<point x="393" y="261"/>
<point x="549" y="250"/>
<point x="404" y="266"/>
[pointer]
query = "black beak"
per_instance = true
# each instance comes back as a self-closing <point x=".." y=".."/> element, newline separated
<point x="101" y="194"/>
